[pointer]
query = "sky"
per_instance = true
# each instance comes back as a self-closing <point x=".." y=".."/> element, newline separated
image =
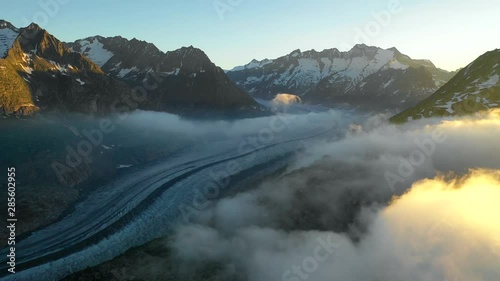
<point x="450" y="33"/>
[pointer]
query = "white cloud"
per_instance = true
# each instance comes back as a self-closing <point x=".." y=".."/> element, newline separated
<point x="442" y="227"/>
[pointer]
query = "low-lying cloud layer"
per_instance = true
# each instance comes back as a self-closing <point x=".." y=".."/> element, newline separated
<point x="173" y="124"/>
<point x="415" y="202"/>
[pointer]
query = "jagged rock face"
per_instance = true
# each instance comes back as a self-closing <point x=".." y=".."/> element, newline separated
<point x="40" y="72"/>
<point x="331" y="77"/>
<point x="36" y="41"/>
<point x="474" y="88"/>
<point x="49" y="76"/>
<point x="181" y="80"/>
<point x="114" y="54"/>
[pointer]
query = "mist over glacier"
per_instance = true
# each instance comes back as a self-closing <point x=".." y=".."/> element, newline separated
<point x="143" y="199"/>
<point x="411" y="202"/>
<point x="349" y="197"/>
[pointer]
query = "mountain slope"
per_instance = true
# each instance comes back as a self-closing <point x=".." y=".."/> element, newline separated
<point x="331" y="76"/>
<point x="184" y="79"/>
<point x="475" y="88"/>
<point x="40" y="72"/>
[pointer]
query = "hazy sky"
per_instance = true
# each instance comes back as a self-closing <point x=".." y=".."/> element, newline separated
<point x="451" y="33"/>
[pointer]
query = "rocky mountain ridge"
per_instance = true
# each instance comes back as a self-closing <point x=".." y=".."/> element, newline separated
<point x="475" y="88"/>
<point x="184" y="78"/>
<point x="40" y="73"/>
<point x="363" y="75"/>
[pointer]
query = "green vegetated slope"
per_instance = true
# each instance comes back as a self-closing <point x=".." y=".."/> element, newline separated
<point x="474" y="88"/>
<point x="14" y="90"/>
<point x="40" y="72"/>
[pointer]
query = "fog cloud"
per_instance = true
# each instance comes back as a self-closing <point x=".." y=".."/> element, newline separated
<point x="334" y="215"/>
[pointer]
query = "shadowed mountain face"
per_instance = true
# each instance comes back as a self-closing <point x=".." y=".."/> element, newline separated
<point x="364" y="76"/>
<point x="474" y="88"/>
<point x="180" y="80"/>
<point x="385" y="89"/>
<point x="39" y="72"/>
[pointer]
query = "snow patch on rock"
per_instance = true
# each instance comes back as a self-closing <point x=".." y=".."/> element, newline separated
<point x="95" y="51"/>
<point x="7" y="38"/>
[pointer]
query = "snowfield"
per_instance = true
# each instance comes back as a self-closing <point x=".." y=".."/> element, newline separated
<point x="7" y="37"/>
<point x="95" y="51"/>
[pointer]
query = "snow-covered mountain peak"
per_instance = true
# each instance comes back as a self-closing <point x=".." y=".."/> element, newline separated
<point x="329" y="73"/>
<point x="6" y="24"/>
<point x="253" y="64"/>
<point x="130" y="59"/>
<point x="183" y="78"/>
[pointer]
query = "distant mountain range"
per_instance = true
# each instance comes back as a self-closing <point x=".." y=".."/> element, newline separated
<point x="96" y="74"/>
<point x="474" y="88"/>
<point x="39" y="72"/>
<point x="366" y="76"/>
